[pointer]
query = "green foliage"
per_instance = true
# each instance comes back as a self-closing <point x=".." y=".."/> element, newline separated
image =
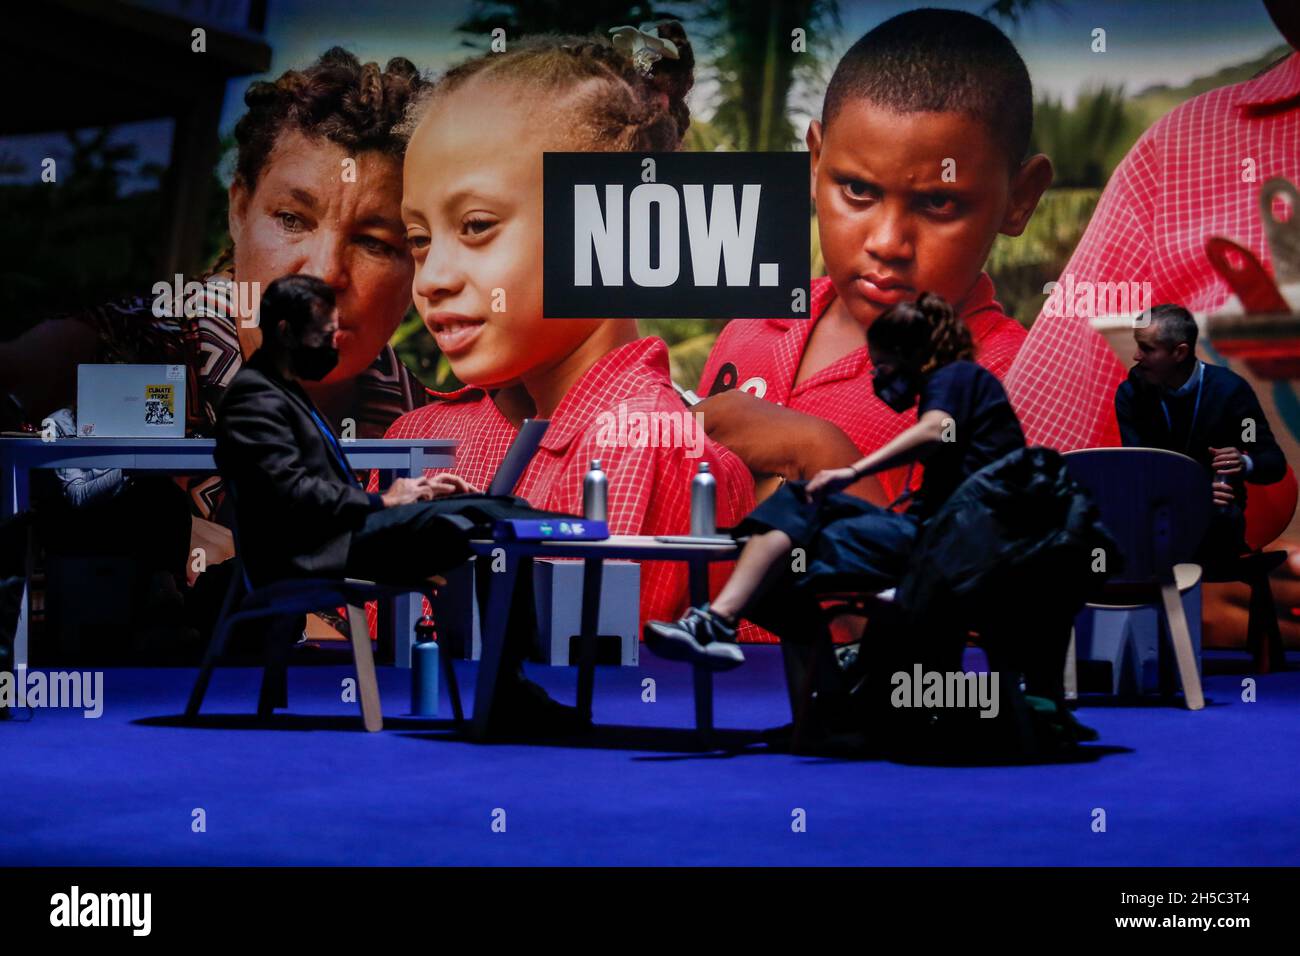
<point x="1021" y="266"/>
<point x="417" y="350"/>
<point x="756" y="70"/>
<point x="1085" y="143"/>
<point x="703" y="137"/>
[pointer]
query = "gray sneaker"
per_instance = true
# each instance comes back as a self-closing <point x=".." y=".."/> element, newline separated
<point x="700" y="638"/>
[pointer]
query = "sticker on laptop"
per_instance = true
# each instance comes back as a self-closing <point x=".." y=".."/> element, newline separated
<point x="175" y="373"/>
<point x="160" y="404"/>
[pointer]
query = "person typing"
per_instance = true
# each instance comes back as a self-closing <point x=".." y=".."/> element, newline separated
<point x="301" y="510"/>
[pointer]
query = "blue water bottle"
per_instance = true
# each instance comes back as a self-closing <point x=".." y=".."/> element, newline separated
<point x="424" y="671"/>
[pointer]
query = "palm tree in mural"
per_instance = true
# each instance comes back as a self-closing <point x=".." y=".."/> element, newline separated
<point x="760" y="69"/>
<point x="1012" y="10"/>
<point x="522" y="17"/>
<point x="758" y="58"/>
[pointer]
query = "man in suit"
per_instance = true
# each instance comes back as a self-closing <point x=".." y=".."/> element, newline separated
<point x="1172" y="400"/>
<point x="301" y="510"/>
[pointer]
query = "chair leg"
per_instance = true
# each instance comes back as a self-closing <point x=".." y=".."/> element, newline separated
<point x="1263" y="636"/>
<point x="364" y="656"/>
<point x="280" y="638"/>
<point x="220" y="633"/>
<point x="215" y="646"/>
<point x="1182" y="640"/>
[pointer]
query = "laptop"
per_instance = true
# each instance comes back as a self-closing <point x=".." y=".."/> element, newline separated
<point x="131" y="401"/>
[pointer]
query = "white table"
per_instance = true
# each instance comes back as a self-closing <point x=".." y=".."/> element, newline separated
<point x="593" y="555"/>
<point x="392" y="457"/>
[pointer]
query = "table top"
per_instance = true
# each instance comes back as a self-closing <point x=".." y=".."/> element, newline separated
<point x="633" y="547"/>
<point x="196" y="453"/>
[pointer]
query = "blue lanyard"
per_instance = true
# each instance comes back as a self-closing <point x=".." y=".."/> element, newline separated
<point x="334" y="443"/>
<point x="1196" y="407"/>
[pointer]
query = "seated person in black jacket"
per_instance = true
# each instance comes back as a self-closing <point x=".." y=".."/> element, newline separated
<point x="303" y="513"/>
<point x="1172" y="400"/>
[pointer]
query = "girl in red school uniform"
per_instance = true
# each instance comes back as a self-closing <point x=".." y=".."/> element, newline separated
<point x="472" y="205"/>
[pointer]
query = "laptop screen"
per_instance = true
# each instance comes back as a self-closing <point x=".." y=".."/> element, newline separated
<point x="521" y="452"/>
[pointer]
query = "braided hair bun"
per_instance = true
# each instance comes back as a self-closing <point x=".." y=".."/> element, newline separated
<point x="925" y="333"/>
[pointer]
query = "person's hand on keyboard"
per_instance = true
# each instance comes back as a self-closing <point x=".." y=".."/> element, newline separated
<point x="445" y="483"/>
<point x="405" y="491"/>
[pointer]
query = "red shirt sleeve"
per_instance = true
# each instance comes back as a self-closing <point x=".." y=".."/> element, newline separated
<point x="1063" y="383"/>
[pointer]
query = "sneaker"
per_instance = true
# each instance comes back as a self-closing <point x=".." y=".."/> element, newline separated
<point x="700" y="638"/>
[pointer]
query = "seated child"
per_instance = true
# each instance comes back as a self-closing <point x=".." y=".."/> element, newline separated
<point x="920" y="356"/>
<point x="472" y="205"/>
<point x="918" y="163"/>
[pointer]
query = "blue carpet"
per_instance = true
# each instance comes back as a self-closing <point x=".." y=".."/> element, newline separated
<point x="1218" y="787"/>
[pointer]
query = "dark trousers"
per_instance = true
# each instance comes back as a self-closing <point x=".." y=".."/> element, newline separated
<point x="408" y="543"/>
<point x="412" y="542"/>
<point x="1225" y="539"/>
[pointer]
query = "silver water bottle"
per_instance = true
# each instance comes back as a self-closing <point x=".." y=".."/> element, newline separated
<point x="595" y="494"/>
<point x="704" y="503"/>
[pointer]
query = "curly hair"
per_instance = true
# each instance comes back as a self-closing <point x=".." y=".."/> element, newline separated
<point x="925" y="333"/>
<point x="339" y="98"/>
<point x="623" y="111"/>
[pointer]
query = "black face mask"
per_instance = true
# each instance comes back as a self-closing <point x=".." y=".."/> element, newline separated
<point x="896" y="390"/>
<point x="313" y="364"/>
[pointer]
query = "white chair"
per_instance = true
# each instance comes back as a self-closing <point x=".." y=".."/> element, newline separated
<point x="1157" y="506"/>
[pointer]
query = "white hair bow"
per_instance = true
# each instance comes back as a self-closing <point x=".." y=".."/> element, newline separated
<point x="645" y="49"/>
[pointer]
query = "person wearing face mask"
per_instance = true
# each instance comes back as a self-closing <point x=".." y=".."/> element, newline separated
<point x="921" y="355"/>
<point x="302" y="512"/>
<point x="301" y="509"/>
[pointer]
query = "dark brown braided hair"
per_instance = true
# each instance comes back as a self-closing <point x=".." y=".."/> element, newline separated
<point x="626" y="111"/>
<point x="337" y="98"/>
<point x="925" y="333"/>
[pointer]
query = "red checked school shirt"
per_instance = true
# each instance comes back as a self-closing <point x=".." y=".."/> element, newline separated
<point x="764" y="357"/>
<point x="649" y="487"/>
<point x="1195" y="173"/>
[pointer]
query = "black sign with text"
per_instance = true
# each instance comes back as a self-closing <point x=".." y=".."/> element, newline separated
<point x="676" y="235"/>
